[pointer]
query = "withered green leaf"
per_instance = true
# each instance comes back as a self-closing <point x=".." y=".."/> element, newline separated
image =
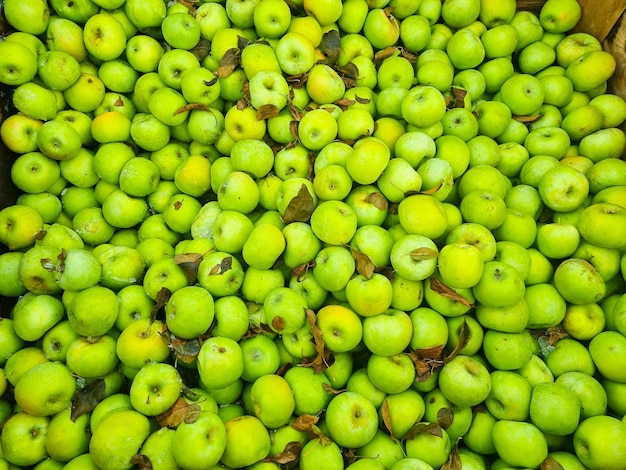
<point x="86" y="399"/>
<point x="300" y="207"/>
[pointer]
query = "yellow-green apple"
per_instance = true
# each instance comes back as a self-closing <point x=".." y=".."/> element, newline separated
<point x="324" y="85"/>
<point x="141" y="342"/>
<point x="45" y="389"/>
<point x="272" y="400"/>
<point x="590" y="70"/>
<point x="522" y="93"/>
<point x="67" y="438"/>
<point x="18" y="64"/>
<point x="92" y="357"/>
<point x="315" y="453"/>
<point x="423" y="106"/>
<point x="155" y="388"/>
<point x="220" y="273"/>
<point x="118" y="438"/>
<point x="271" y="18"/>
<point x="433" y="449"/>
<point x="568" y="276"/>
<point x="181" y="30"/>
<point x="606" y="349"/>
<point x="247" y="441"/>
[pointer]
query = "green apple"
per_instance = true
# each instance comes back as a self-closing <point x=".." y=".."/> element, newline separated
<point x="334" y="266"/>
<point x="189" y="312"/>
<point x="200" y="443"/>
<point x="260" y="357"/>
<point x="19" y="133"/>
<point x="570" y="355"/>
<point x="315" y="453"/>
<point x="272" y="399"/>
<point x="310" y="390"/>
<point x="510" y="396"/>
<point x="19" y="63"/>
<point x="263" y="247"/>
<point x="464" y="381"/>
<point x="602" y="450"/>
<point x="220" y="273"/>
<point x="23" y="439"/>
<point x="606" y="348"/>
<point x="141" y="342"/>
<point x="342" y="227"/>
<point x="387" y="334"/>
<point x="519" y="443"/>
<point x="33" y="315"/>
<point x="351" y="419"/>
<point x="433" y="449"/>
<point x="429" y="328"/>
<point x="546" y="306"/>
<point x="155" y="388"/>
<point x="220" y="362"/>
<point x="592" y="397"/>
<point x="554" y="409"/>
<point x="507" y="351"/>
<point x="284" y="310"/>
<point x="423" y="106"/>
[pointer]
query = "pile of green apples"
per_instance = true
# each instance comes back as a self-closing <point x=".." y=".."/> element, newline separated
<point x="311" y="234"/>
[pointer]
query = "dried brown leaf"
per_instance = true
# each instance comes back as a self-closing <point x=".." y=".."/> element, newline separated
<point x="86" y="399"/>
<point x="189" y="262"/>
<point x="384" y="54"/>
<point x="345" y="103"/>
<point x="423" y="254"/>
<point x="289" y="455"/>
<point x="305" y="422"/>
<point x="229" y="62"/>
<point x="267" y="111"/>
<point x="528" y="119"/>
<point x="323" y="357"/>
<point x="186" y="350"/>
<point x="178" y="205"/>
<point x="425" y="428"/>
<point x="202" y="49"/>
<point x="331" y="390"/>
<point x="300" y="207"/>
<point x="378" y="201"/>
<point x="223" y="266"/>
<point x="464" y="337"/>
<point x="161" y="299"/>
<point x="454" y="460"/>
<point x="331" y="43"/>
<point x="445" y="291"/>
<point x="427" y="361"/>
<point x="141" y="462"/>
<point x="550" y="463"/>
<point x="364" y="264"/>
<point x="386" y="418"/>
<point x="191" y="107"/>
<point x="445" y="417"/>
<point x="433" y="190"/>
<point x="180" y="412"/>
<point x="303" y="269"/>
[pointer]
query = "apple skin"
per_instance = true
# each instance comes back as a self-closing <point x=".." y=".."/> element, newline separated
<point x="600" y="450"/>
<point x="352" y="419"/>
<point x="23" y="439"/>
<point x="118" y="438"/>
